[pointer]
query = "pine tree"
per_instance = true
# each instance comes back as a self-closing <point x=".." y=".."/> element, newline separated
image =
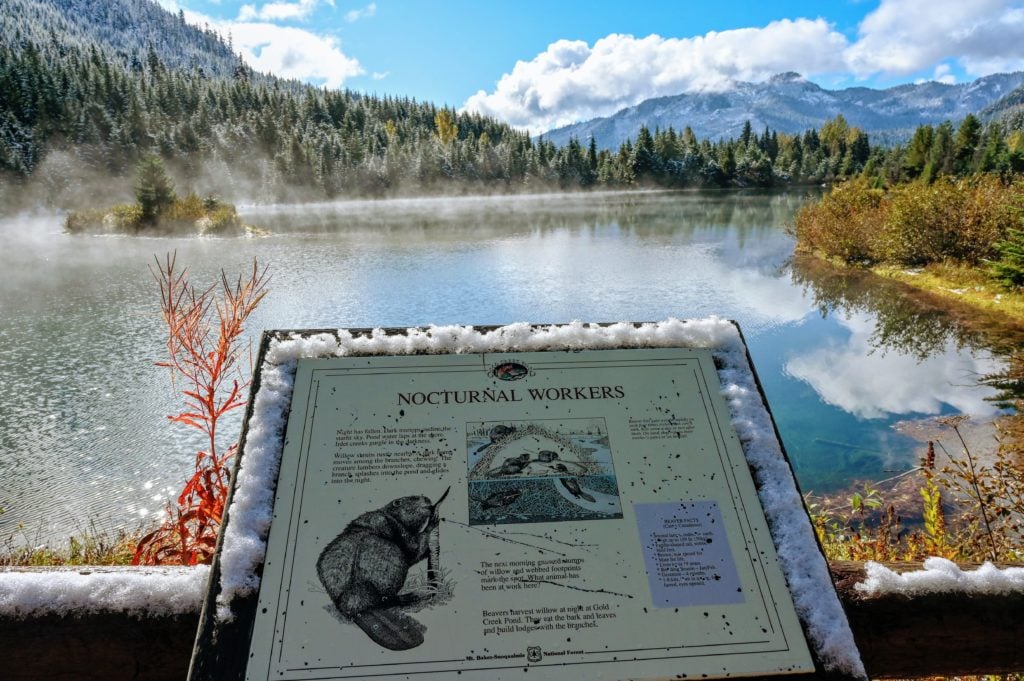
<point x="154" y="190"/>
<point x="747" y="133"/>
<point x="1009" y="270"/>
<point x="993" y="153"/>
<point x="940" y="158"/>
<point x="644" y="162"/>
<point x="967" y="137"/>
<point x="918" y="151"/>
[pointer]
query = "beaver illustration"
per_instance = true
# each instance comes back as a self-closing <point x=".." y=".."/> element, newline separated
<point x="573" y="485"/>
<point x="498" y="499"/>
<point x="365" y="567"/>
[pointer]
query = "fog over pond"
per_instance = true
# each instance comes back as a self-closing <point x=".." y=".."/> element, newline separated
<point x="83" y="432"/>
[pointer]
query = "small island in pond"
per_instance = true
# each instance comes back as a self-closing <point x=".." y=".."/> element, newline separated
<point x="158" y="210"/>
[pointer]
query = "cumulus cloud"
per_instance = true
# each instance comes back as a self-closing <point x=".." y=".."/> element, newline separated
<point x="905" y="36"/>
<point x="294" y="53"/>
<point x="943" y="74"/>
<point x="357" y="14"/>
<point x="277" y="11"/>
<point x="870" y="384"/>
<point x="285" y="51"/>
<point x="572" y="81"/>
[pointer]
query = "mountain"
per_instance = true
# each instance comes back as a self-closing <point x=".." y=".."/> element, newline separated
<point x="789" y="103"/>
<point x="128" y="31"/>
<point x="1005" y="107"/>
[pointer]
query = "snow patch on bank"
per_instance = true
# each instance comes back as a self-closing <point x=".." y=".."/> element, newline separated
<point x="801" y="561"/>
<point x="942" y="576"/>
<point x="140" y="591"/>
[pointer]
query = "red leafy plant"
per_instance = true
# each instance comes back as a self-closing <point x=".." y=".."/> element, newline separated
<point x="204" y="339"/>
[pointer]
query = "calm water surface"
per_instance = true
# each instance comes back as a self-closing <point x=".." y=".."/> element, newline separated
<point x="83" y="431"/>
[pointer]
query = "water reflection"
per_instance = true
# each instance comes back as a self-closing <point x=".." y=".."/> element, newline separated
<point x="642" y="214"/>
<point x="905" y="319"/>
<point x="854" y="376"/>
<point x="83" y="432"/>
<point x="892" y="352"/>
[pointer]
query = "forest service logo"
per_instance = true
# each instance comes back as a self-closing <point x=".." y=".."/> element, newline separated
<point x="533" y="654"/>
<point x="510" y="371"/>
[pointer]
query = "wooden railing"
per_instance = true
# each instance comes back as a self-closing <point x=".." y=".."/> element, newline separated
<point x="898" y="636"/>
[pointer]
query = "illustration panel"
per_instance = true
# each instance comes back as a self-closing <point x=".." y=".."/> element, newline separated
<point x="540" y="471"/>
<point x="365" y="570"/>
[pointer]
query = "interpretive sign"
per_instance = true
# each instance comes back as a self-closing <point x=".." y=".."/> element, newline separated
<point x="568" y="514"/>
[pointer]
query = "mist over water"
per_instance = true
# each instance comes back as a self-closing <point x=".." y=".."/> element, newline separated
<point x="83" y="430"/>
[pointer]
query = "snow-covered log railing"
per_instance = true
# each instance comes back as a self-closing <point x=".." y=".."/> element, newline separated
<point x="941" y="620"/>
<point x="89" y="623"/>
<point x="946" y="619"/>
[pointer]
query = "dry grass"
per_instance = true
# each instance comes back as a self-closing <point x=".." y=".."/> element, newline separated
<point x="965" y="284"/>
<point x="89" y="547"/>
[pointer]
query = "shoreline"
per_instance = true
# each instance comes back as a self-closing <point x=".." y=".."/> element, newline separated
<point x="967" y="285"/>
<point x="956" y="285"/>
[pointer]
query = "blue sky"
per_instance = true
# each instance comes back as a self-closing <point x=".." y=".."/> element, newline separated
<point x="541" y="64"/>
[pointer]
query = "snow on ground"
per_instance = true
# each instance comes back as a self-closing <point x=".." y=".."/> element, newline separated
<point x="941" y="576"/>
<point x="138" y="591"/>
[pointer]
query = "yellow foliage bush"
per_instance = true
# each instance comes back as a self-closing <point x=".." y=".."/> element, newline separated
<point x="911" y="224"/>
<point x="185" y="209"/>
<point x="843" y="223"/>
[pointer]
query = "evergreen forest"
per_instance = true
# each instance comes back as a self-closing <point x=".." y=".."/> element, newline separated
<point x="77" y="113"/>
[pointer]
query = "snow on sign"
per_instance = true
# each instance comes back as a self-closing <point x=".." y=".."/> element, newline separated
<point x="460" y="510"/>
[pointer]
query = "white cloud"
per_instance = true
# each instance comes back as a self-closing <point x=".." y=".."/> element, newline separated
<point x="904" y="36"/>
<point x="872" y="384"/>
<point x="286" y="51"/>
<point x="294" y="53"/>
<point x="278" y="11"/>
<point x="943" y="74"/>
<point x="572" y="81"/>
<point x="357" y="14"/>
<point x="380" y="75"/>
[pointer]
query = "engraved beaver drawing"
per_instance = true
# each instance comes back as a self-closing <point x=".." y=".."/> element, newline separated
<point x="365" y="567"/>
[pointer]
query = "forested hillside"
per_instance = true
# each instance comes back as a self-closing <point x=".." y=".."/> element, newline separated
<point x="127" y="30"/>
<point x="77" y="113"/>
<point x="81" y="102"/>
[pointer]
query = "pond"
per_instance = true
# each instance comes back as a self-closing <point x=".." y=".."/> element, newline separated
<point x="84" y="438"/>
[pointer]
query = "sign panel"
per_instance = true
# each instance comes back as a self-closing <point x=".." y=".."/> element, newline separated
<point x="583" y="514"/>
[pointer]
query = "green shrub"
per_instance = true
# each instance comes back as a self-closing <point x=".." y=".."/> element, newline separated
<point x="76" y="222"/>
<point x="224" y="219"/>
<point x="1009" y="269"/>
<point x="989" y="211"/>
<point x="84" y="221"/>
<point x="210" y="203"/>
<point x="920" y="225"/>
